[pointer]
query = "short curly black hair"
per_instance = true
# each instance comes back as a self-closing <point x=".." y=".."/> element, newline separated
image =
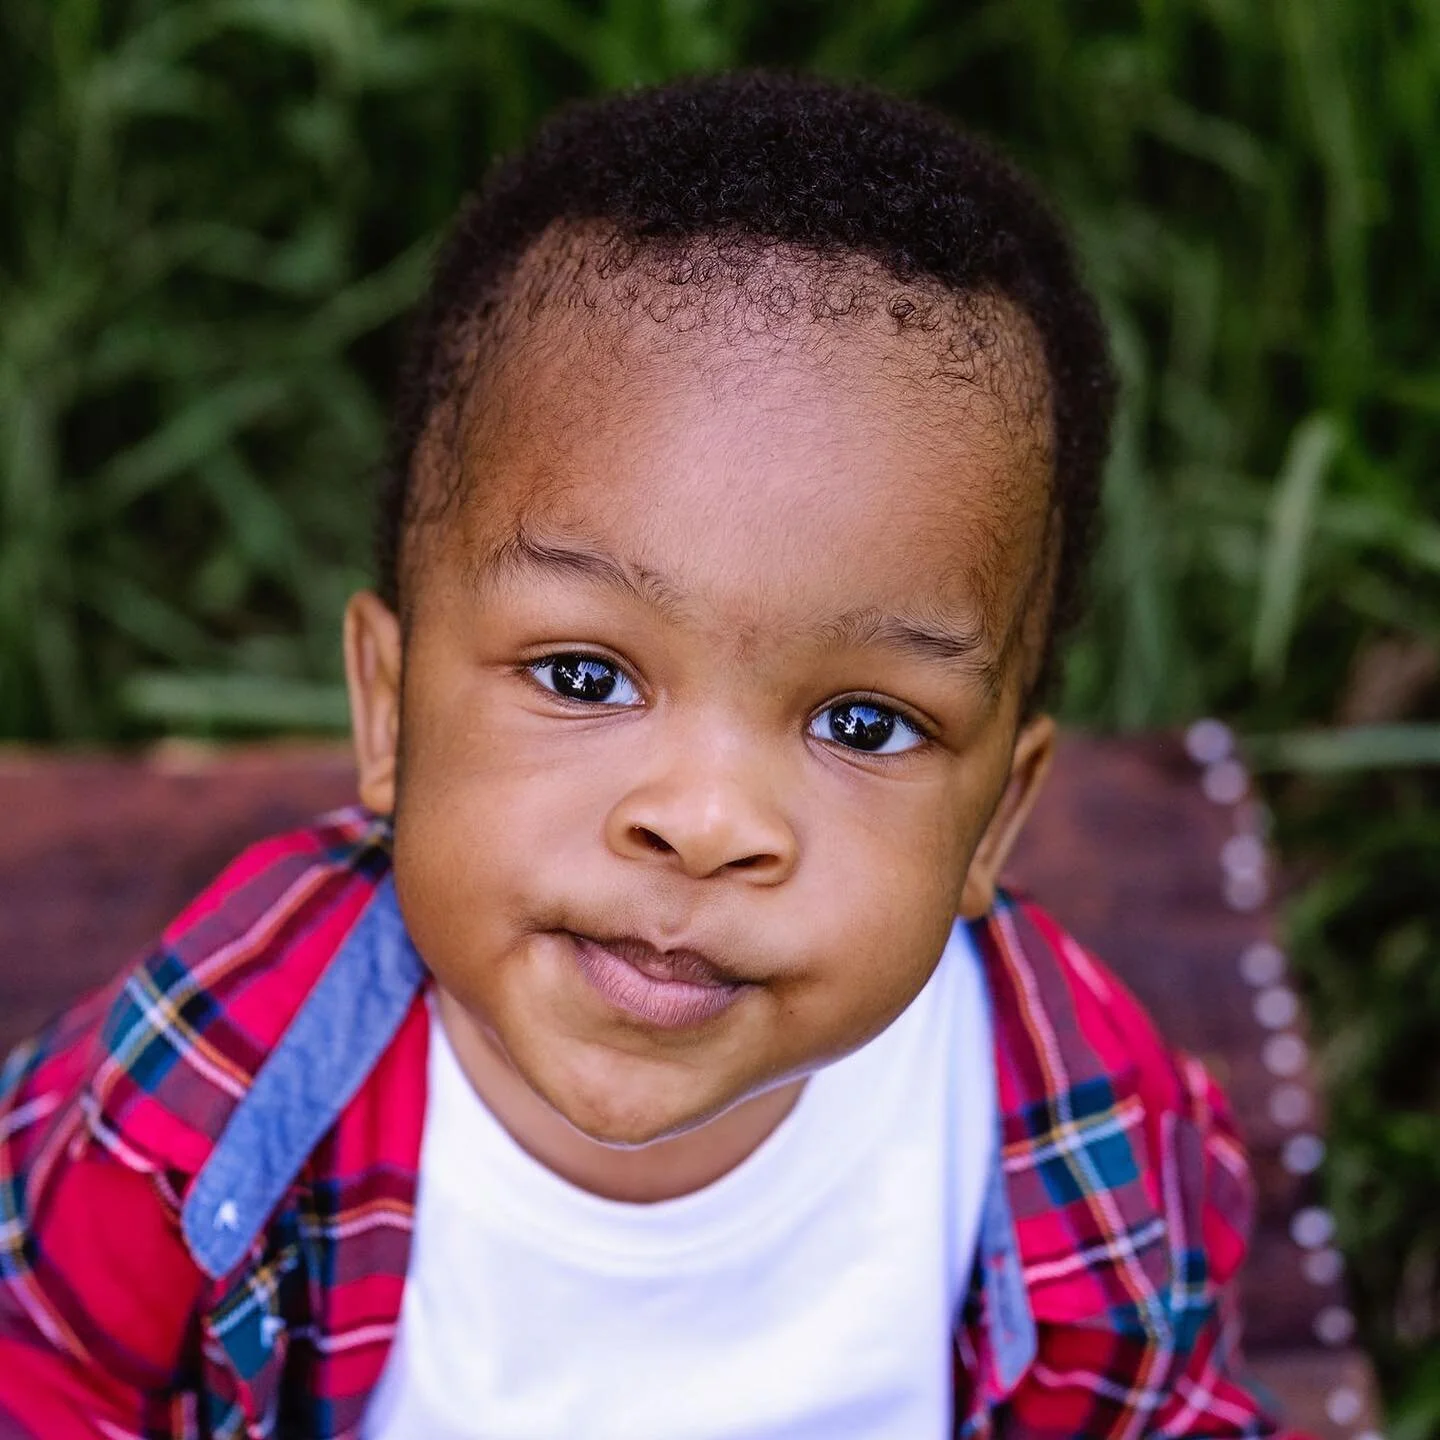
<point x="822" y="169"/>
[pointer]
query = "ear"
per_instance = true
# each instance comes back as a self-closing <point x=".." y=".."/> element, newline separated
<point x="372" y="676"/>
<point x="1034" y="749"/>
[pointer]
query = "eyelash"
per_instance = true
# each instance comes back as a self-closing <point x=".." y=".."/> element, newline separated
<point x="578" y="659"/>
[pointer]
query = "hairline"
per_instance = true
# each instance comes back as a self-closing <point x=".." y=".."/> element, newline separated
<point x="504" y="316"/>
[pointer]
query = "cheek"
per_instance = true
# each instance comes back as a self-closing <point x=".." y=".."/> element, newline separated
<point x="872" y="910"/>
<point x="904" y="848"/>
<point x="471" y="750"/>
<point x="474" y="810"/>
<point x="484" y="813"/>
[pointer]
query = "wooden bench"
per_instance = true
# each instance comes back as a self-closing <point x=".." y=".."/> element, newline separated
<point x="1149" y="849"/>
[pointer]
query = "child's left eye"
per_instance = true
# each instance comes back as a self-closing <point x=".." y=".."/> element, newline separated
<point x="860" y="725"/>
<point x="586" y="678"/>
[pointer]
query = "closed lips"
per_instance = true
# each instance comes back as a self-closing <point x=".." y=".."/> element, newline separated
<point x="665" y="988"/>
<point x="689" y="967"/>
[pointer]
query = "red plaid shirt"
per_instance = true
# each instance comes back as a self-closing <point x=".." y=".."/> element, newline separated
<point x="208" y="1177"/>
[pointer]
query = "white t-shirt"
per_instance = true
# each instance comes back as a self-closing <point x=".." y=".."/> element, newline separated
<point x="810" y="1293"/>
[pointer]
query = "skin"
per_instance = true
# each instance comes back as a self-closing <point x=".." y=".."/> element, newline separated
<point x="741" y="528"/>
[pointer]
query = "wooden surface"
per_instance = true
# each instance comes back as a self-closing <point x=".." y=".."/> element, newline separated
<point x="102" y="852"/>
<point x="1132" y="855"/>
<point x="1126" y="849"/>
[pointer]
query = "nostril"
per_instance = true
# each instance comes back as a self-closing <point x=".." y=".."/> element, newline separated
<point x="653" y="841"/>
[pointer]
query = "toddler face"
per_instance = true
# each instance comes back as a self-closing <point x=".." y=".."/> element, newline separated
<point x="711" y="687"/>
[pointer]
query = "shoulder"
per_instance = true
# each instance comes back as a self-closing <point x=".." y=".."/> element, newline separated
<point x="1084" y="1072"/>
<point x="162" y="1059"/>
<point x="1065" y="1013"/>
<point x="1129" y="1195"/>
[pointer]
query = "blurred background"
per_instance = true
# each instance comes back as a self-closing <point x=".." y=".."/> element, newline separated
<point x="214" y="214"/>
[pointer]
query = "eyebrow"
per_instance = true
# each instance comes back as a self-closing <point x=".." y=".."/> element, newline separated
<point x="965" y="649"/>
<point x="524" y="550"/>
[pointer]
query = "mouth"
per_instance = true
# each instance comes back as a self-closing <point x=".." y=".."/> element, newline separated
<point x="671" y="989"/>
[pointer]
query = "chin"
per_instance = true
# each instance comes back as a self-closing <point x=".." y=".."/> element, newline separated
<point x="623" y="1128"/>
<point x="625" y="1116"/>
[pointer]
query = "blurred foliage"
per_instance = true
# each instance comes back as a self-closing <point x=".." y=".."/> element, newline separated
<point x="213" y="214"/>
<point x="1369" y="928"/>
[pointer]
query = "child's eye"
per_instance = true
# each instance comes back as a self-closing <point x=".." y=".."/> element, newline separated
<point x="860" y="725"/>
<point x="586" y="678"/>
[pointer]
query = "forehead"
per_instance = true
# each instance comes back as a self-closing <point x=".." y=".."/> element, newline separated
<point x="906" y="461"/>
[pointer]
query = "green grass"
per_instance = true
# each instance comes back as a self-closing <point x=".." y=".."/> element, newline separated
<point x="214" y="213"/>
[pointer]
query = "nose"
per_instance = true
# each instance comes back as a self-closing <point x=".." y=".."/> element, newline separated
<point x="707" y="811"/>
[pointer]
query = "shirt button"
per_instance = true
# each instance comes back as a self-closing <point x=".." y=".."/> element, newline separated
<point x="227" y="1217"/>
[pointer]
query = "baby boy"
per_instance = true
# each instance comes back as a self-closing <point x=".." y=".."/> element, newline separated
<point x="651" y="1054"/>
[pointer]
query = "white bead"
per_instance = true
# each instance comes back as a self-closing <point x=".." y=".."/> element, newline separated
<point x="1284" y="1054"/>
<point x="1277" y="1007"/>
<point x="1322" y="1267"/>
<point x="1243" y="855"/>
<point x="1334" y="1325"/>
<point x="1289" y="1105"/>
<point x="1303" y="1154"/>
<point x="1343" y="1405"/>
<point x="1312" y="1227"/>
<point x="1262" y="964"/>
<point x="1225" y="782"/>
<point x="1208" y="741"/>
<point x="1245" y="892"/>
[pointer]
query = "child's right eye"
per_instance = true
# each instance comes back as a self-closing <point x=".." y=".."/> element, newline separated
<point x="586" y="678"/>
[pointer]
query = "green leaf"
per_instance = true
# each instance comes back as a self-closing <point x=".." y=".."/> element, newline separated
<point x="1292" y="525"/>
<point x="210" y="702"/>
<point x="204" y="426"/>
<point x="1357" y="747"/>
